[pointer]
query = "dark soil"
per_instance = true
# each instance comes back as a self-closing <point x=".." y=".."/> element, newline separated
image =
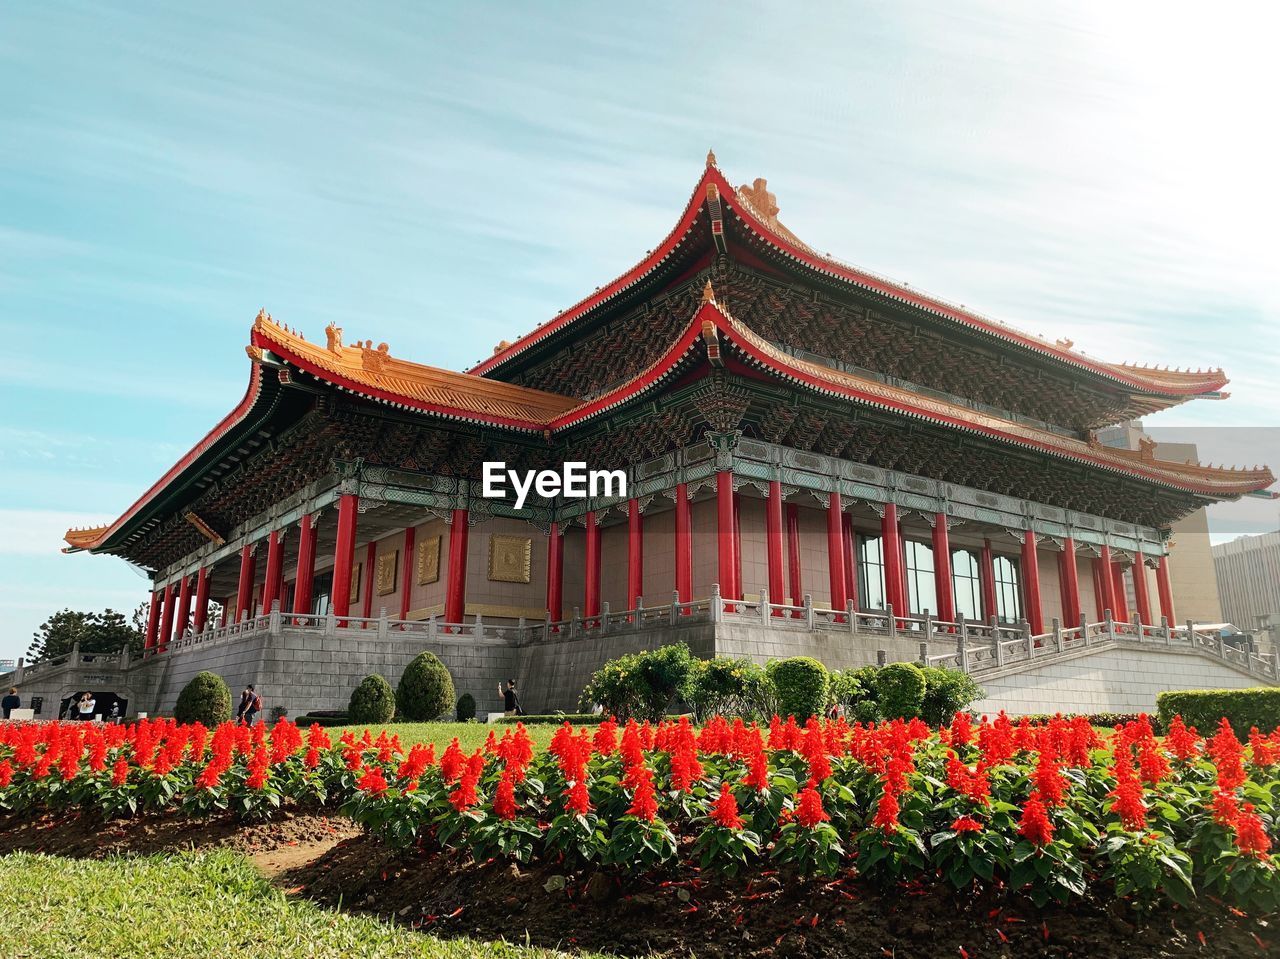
<point x="87" y="836"/>
<point x="767" y="914"/>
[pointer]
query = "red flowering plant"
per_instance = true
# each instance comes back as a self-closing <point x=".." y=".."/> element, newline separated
<point x="640" y="837"/>
<point x="504" y="828"/>
<point x="725" y="844"/>
<point x="807" y="840"/>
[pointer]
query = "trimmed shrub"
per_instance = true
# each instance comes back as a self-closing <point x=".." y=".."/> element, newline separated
<point x="801" y="685"/>
<point x="1103" y="720"/>
<point x="466" y="708"/>
<point x="373" y="701"/>
<point x="946" y="692"/>
<point x="1204" y="708"/>
<point x="556" y="719"/>
<point x="846" y="689"/>
<point x="206" y="699"/>
<point x="729" y="687"/>
<point x="425" y="690"/>
<point x="329" y="718"/>
<point x="640" y="685"/>
<point x="900" y="690"/>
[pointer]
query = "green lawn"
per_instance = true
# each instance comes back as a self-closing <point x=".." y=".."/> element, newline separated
<point x="192" y="906"/>
<point x="470" y="735"/>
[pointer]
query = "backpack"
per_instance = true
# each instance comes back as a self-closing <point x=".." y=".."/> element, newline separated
<point x="256" y="706"/>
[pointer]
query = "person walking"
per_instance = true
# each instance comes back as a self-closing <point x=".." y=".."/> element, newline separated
<point x="510" y="699"/>
<point x="10" y="702"/>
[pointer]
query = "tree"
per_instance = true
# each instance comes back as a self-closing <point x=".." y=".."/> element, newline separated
<point x="96" y="632"/>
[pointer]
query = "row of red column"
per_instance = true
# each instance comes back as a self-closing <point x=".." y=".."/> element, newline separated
<point x="170" y="607"/>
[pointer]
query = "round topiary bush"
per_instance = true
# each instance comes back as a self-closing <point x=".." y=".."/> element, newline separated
<point x="206" y="699"/>
<point x="466" y="708"/>
<point x="373" y="701"/>
<point x="801" y="685"/>
<point x="425" y="690"/>
<point x="900" y="690"/>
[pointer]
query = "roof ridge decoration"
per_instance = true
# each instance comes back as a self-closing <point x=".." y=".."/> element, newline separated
<point x="757" y="208"/>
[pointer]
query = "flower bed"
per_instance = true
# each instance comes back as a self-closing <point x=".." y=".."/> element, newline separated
<point x="1048" y="809"/>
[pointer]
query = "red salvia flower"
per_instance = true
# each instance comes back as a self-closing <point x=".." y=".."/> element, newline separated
<point x="464" y="795"/>
<point x="966" y="824"/>
<point x="813" y="747"/>
<point x="606" y="738"/>
<point x="577" y="800"/>
<point x="631" y="749"/>
<point x="887" y="810"/>
<point x="1035" y="825"/>
<point x="6" y="773"/>
<point x="644" y="805"/>
<point x="961" y="729"/>
<point x="1228" y="757"/>
<point x="1048" y="780"/>
<point x="809" y="811"/>
<point x="373" y="781"/>
<point x="1126" y="797"/>
<point x="1262" y="750"/>
<point x="453" y="762"/>
<point x="504" y="799"/>
<point x="312" y="759"/>
<point x="119" y="772"/>
<point x="1183" y="742"/>
<point x="757" y="768"/>
<point x="725" y="811"/>
<point x="1226" y="808"/>
<point x="257" y="778"/>
<point x="1251" y="837"/>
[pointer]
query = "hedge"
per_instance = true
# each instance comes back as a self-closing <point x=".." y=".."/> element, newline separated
<point x="425" y="691"/>
<point x="555" y="719"/>
<point x="373" y="701"/>
<point x="466" y="708"/>
<point x="800" y="685"/>
<point x="1204" y="708"/>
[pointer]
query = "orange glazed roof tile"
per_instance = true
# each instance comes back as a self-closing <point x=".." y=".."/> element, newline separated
<point x="373" y="371"/>
<point x="757" y="209"/>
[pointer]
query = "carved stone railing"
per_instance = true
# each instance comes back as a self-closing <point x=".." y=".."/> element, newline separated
<point x="974" y="647"/>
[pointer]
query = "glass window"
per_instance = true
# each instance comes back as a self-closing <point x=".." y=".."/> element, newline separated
<point x="870" y="573"/>
<point x="921" y="594"/>
<point x="1008" y="589"/>
<point x="967" y="583"/>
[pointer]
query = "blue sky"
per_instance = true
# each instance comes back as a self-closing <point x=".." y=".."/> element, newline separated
<point x="445" y="177"/>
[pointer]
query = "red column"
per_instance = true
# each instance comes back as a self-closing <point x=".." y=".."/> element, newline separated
<point x="455" y="594"/>
<point x="166" y="621"/>
<point x="942" y="584"/>
<point x="850" y="562"/>
<point x="202" y="601"/>
<point x="1100" y="603"/>
<point x="370" y="561"/>
<point x="1166" y="591"/>
<point x="835" y="551"/>
<point x="635" y="553"/>
<point x="895" y="591"/>
<point x="244" y="591"/>
<point x="406" y="572"/>
<point x="1106" y="580"/>
<point x="555" y="572"/>
<point x="987" y="581"/>
<point x="183" y="614"/>
<point x="153" y="619"/>
<point x="591" y="601"/>
<point x="306" y="571"/>
<point x="684" y="544"/>
<point x="737" y="545"/>
<point x="1141" y="594"/>
<point x="275" y="569"/>
<point x="773" y="542"/>
<point x="793" y="555"/>
<point x="724" y="534"/>
<point x="344" y="553"/>
<point x="1031" y="582"/>
<point x="1069" y="578"/>
<point x="1119" y="594"/>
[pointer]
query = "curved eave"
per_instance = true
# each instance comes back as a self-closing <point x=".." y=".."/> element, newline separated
<point x="1175" y="385"/>
<point x="393" y="399"/>
<point x="77" y="540"/>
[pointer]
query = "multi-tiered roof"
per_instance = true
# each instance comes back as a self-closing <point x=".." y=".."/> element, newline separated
<point x="800" y="349"/>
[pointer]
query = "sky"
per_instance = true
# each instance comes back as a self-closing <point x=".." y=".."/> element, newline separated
<point x="441" y="177"/>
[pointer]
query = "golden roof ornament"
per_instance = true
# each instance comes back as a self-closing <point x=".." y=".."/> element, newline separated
<point x="333" y="338"/>
<point x="764" y="202"/>
<point x="711" y="158"/>
<point x="502" y="345"/>
<point x="374" y="360"/>
<point x="708" y="293"/>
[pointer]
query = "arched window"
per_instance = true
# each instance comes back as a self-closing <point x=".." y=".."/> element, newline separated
<point x="921" y="594"/>
<point x="870" y="573"/>
<point x="967" y="583"/>
<point x="1008" y="581"/>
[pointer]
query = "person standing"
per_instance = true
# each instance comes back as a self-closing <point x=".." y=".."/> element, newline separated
<point x="86" y="706"/>
<point x="250" y="705"/>
<point x="510" y="699"/>
<point x="10" y="702"/>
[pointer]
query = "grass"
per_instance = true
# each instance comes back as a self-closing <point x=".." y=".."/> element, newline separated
<point x="193" y="906"/>
<point x="471" y="736"/>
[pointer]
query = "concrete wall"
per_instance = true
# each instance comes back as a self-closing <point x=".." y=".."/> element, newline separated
<point x="1124" y="680"/>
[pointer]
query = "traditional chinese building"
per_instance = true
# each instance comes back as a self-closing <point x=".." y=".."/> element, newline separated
<point x="796" y="432"/>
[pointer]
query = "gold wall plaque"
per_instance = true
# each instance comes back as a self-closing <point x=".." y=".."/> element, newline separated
<point x="510" y="558"/>
<point x="387" y="565"/>
<point x="429" y="560"/>
<point x="354" y="595"/>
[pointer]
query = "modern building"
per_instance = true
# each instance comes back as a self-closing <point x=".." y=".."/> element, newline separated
<point x="1191" y="564"/>
<point x="817" y="459"/>
<point x="1248" y="580"/>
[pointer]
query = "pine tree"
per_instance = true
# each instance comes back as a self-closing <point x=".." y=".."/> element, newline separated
<point x="97" y="632"/>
